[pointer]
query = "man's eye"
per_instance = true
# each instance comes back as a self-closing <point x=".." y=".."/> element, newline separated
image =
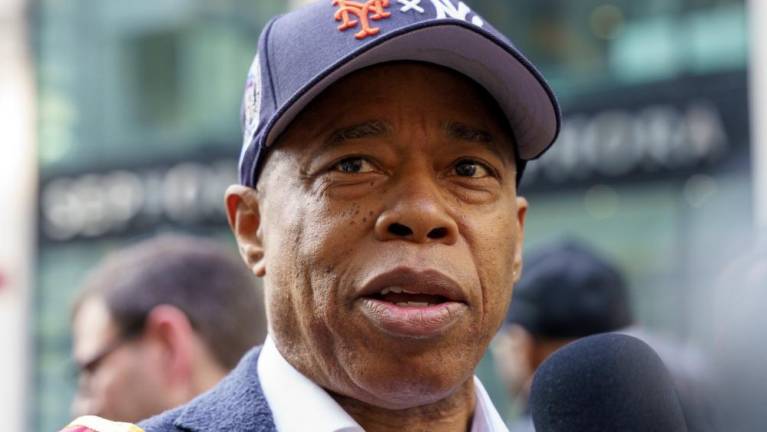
<point x="471" y="168"/>
<point x="354" y="165"/>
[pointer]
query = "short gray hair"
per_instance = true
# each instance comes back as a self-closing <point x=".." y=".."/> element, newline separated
<point x="201" y="277"/>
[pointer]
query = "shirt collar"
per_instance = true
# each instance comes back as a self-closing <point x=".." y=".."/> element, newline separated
<point x="288" y="392"/>
<point x="486" y="417"/>
<point x="297" y="403"/>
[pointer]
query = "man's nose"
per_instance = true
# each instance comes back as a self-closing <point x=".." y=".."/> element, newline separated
<point x="416" y="213"/>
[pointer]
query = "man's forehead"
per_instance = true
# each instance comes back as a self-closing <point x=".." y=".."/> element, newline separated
<point x="361" y="93"/>
<point x="92" y="326"/>
<point x="390" y="75"/>
<point x="349" y="109"/>
<point x="454" y="130"/>
<point x="354" y="109"/>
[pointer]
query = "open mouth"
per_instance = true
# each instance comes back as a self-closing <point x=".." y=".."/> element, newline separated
<point x="405" y="298"/>
<point x="409" y="303"/>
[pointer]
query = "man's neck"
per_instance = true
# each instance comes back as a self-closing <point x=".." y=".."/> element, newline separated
<point x="452" y="414"/>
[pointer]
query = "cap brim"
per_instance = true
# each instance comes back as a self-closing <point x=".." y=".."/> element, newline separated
<point x="517" y="86"/>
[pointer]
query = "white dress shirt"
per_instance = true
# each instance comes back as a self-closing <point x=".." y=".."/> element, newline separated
<point x="298" y="404"/>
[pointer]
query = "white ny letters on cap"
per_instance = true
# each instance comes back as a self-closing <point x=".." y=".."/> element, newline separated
<point x="408" y="5"/>
<point x="446" y="8"/>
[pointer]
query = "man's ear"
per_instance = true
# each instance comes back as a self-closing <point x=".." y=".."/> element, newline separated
<point x="521" y="216"/>
<point x="243" y="212"/>
<point x="169" y="329"/>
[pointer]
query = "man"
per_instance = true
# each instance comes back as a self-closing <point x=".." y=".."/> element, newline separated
<point x="160" y="322"/>
<point x="382" y="150"/>
<point x="568" y="291"/>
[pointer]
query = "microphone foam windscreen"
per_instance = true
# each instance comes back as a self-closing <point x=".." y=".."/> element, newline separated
<point x="604" y="383"/>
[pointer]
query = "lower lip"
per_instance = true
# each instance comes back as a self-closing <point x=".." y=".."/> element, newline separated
<point x="408" y="321"/>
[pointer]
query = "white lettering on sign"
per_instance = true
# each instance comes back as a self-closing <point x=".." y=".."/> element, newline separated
<point x="446" y="8"/>
<point x="92" y="205"/>
<point x="617" y="142"/>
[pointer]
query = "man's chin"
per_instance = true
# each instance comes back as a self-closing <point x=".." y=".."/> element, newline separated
<point x="399" y="393"/>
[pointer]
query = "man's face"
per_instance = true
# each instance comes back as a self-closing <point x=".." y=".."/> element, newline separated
<point x="391" y="233"/>
<point x="118" y="380"/>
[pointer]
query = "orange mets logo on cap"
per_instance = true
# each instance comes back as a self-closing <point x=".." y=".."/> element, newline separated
<point x="371" y="9"/>
<point x="353" y="13"/>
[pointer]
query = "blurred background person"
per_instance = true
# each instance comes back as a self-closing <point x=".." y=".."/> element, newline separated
<point x="158" y="323"/>
<point x="565" y="293"/>
<point x="568" y="291"/>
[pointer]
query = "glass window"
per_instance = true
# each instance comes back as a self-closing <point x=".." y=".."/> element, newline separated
<point x="586" y="45"/>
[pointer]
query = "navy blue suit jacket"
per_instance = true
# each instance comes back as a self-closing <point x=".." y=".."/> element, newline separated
<point x="236" y="404"/>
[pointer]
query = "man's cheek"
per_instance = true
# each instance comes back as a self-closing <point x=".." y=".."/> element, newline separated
<point x="334" y="228"/>
<point x="498" y="254"/>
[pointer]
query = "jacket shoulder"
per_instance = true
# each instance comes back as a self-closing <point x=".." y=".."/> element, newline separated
<point x="165" y="422"/>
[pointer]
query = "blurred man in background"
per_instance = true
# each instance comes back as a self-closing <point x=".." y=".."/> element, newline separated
<point x="160" y="322"/>
<point x="566" y="292"/>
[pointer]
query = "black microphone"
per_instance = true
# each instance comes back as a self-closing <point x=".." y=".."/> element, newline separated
<point x="605" y="383"/>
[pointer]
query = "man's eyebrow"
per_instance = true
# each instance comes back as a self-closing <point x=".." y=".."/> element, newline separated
<point x="485" y="138"/>
<point x="368" y="129"/>
<point x="465" y="132"/>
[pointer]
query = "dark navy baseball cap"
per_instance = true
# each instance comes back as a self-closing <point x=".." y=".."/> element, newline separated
<point x="567" y="290"/>
<point x="302" y="53"/>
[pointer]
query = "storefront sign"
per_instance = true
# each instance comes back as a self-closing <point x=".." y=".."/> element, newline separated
<point x="121" y="201"/>
<point x="638" y="133"/>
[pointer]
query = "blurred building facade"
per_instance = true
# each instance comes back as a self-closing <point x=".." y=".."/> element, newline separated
<point x="138" y="133"/>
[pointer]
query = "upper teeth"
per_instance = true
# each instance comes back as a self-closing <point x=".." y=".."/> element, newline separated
<point x="396" y="290"/>
<point x="413" y="304"/>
